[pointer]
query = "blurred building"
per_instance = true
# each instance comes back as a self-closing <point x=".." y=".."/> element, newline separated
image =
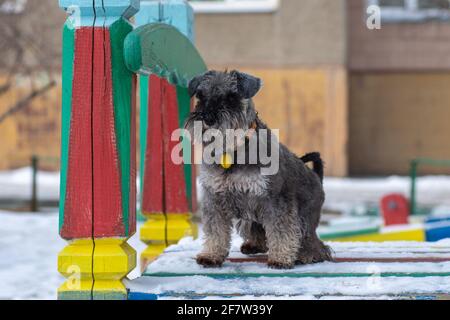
<point x="369" y="99"/>
<point x="30" y="91"/>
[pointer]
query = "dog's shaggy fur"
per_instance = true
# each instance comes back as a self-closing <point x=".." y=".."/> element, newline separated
<point x="276" y="213"/>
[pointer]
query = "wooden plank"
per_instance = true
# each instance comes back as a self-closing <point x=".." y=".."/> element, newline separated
<point x="66" y="112"/>
<point x="395" y="270"/>
<point x="78" y="197"/>
<point x="389" y="259"/>
<point x="123" y="98"/>
<point x="143" y="125"/>
<point x="437" y="231"/>
<point x="108" y="216"/>
<point x="299" y="275"/>
<point x="221" y="296"/>
<point x="152" y="195"/>
<point x="331" y="235"/>
<point x="133" y="171"/>
<point x="263" y="259"/>
<point x="175" y="197"/>
<point x="350" y="287"/>
<point x="398" y="235"/>
<point x="184" y="109"/>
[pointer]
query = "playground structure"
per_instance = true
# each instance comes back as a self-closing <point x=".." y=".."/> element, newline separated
<point x="387" y="270"/>
<point x="394" y="223"/>
<point x="396" y="219"/>
<point x="102" y="56"/>
<point x="414" y="167"/>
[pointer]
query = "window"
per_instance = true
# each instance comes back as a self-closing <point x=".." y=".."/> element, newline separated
<point x="234" y="6"/>
<point x="412" y="10"/>
<point x="12" y="6"/>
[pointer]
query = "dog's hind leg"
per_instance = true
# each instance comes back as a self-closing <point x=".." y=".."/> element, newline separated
<point x="254" y="237"/>
<point x="313" y="250"/>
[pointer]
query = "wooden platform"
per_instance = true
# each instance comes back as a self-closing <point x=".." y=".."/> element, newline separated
<point x="362" y="270"/>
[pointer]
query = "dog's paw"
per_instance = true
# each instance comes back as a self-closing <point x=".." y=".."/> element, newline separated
<point x="305" y="259"/>
<point x="250" y="248"/>
<point x="209" y="261"/>
<point x="280" y="264"/>
<point x="320" y="254"/>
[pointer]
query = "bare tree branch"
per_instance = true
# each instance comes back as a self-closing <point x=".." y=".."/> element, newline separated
<point x="29" y="43"/>
<point x="27" y="100"/>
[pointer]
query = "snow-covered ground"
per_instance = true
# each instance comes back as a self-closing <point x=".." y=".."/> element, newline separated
<point x="16" y="184"/>
<point x="29" y="246"/>
<point x="346" y="193"/>
<point x="29" y="242"/>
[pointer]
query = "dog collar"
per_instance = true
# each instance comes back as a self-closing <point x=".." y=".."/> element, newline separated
<point x="226" y="160"/>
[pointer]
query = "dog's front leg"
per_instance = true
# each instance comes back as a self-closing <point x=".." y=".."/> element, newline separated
<point x="283" y="232"/>
<point x="217" y="228"/>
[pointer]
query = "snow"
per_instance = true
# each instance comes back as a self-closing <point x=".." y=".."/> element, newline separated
<point x="347" y="194"/>
<point x="29" y="245"/>
<point x="13" y="6"/>
<point x="273" y="285"/>
<point x="16" y="184"/>
<point x="306" y="287"/>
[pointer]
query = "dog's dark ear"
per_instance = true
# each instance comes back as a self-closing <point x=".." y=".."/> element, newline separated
<point x="193" y="85"/>
<point x="248" y="85"/>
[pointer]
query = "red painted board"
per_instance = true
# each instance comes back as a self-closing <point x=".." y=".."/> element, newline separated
<point x="133" y="187"/>
<point x="78" y="202"/>
<point x="108" y="216"/>
<point x="152" y="191"/>
<point x="395" y="209"/>
<point x="174" y="181"/>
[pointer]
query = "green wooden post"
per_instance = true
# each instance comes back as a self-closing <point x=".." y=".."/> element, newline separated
<point x="412" y="197"/>
<point x="34" y="168"/>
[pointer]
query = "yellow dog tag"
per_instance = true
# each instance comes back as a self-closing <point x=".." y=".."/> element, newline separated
<point x="226" y="161"/>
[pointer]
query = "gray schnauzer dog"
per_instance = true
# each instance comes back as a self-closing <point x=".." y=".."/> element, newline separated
<point x="277" y="213"/>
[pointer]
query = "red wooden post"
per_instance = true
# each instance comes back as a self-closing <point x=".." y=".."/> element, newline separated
<point x="168" y="189"/>
<point x="98" y="191"/>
